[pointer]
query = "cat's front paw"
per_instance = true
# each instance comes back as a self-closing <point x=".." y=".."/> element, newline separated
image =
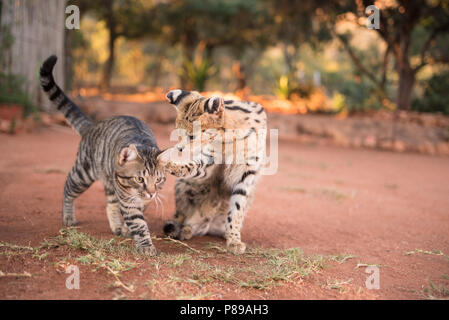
<point x="69" y="221"/>
<point x="236" y="247"/>
<point x="124" y="231"/>
<point x="149" y="251"/>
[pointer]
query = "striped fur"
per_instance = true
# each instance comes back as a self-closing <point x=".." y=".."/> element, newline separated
<point x="214" y="198"/>
<point x="121" y="152"/>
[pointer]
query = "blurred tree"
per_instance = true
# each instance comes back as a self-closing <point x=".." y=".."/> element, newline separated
<point x="400" y="23"/>
<point x="292" y="24"/>
<point x="435" y="97"/>
<point x="198" y="70"/>
<point x="124" y="18"/>
<point x="237" y="24"/>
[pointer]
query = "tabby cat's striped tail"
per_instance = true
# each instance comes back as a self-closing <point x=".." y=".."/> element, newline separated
<point x="75" y="117"/>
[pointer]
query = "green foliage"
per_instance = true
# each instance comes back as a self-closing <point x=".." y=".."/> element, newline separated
<point x="237" y="23"/>
<point x="75" y="39"/>
<point x="292" y="22"/>
<point x="284" y="88"/>
<point x="12" y="92"/>
<point x="275" y="31"/>
<point x="435" y="97"/>
<point x="197" y="72"/>
<point x="353" y="95"/>
<point x="7" y="39"/>
<point x="12" y="86"/>
<point x="131" y="18"/>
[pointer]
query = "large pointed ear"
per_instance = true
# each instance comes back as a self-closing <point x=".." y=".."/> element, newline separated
<point x="127" y="154"/>
<point x="215" y="106"/>
<point x="175" y="96"/>
<point x="213" y="117"/>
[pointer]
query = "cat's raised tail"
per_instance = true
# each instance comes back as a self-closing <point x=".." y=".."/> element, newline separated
<point x="75" y="117"/>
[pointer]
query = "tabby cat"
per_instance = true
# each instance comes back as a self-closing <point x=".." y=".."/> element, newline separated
<point x="122" y="153"/>
<point x="213" y="198"/>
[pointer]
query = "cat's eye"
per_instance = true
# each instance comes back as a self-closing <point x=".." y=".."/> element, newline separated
<point x="139" y="179"/>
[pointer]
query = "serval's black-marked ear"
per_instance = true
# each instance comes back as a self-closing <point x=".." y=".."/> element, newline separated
<point x="214" y="105"/>
<point x="176" y="96"/>
<point x="127" y="154"/>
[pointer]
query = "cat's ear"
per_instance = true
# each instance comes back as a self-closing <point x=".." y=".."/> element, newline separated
<point x="175" y="96"/>
<point x="213" y="116"/>
<point x="127" y="154"/>
<point x="215" y="106"/>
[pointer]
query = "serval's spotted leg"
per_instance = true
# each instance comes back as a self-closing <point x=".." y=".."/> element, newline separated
<point x="242" y="193"/>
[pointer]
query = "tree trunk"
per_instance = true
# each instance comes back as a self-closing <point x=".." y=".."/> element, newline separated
<point x="290" y="56"/>
<point x="108" y="68"/>
<point x="406" y="74"/>
<point x="405" y="88"/>
<point x="239" y="74"/>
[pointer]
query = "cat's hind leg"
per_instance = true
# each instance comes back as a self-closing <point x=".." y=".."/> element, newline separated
<point x="204" y="218"/>
<point x="172" y="228"/>
<point x="185" y="206"/>
<point x="217" y="225"/>
<point x="78" y="180"/>
<point x="190" y="217"/>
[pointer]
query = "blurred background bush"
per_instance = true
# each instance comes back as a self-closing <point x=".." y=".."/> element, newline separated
<point x="317" y="54"/>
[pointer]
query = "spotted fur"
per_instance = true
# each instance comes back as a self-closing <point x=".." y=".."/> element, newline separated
<point x="214" y="198"/>
<point x="122" y="153"/>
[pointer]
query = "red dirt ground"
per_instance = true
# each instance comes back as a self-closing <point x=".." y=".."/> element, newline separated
<point x="326" y="200"/>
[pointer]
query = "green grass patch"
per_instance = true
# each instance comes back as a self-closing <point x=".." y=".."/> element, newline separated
<point x="113" y="254"/>
<point x="263" y="269"/>
<point x="181" y="272"/>
<point x="436" y="292"/>
<point x="10" y="250"/>
<point x="173" y="260"/>
<point x="339" y="285"/>
<point x="332" y="194"/>
<point x="366" y="265"/>
<point x="341" y="258"/>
